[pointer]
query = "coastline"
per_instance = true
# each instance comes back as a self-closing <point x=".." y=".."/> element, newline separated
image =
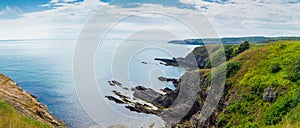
<point x="27" y="104"/>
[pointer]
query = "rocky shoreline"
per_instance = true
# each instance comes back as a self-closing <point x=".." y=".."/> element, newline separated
<point x="27" y="104"/>
<point x="180" y="107"/>
<point x="198" y="58"/>
<point x="168" y="106"/>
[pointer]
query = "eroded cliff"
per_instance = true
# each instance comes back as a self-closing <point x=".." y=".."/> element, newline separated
<point x="26" y="104"/>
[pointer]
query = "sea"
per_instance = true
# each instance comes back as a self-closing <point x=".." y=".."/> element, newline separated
<point x="44" y="68"/>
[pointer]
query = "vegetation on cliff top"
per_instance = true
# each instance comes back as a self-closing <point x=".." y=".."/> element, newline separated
<point x="274" y="67"/>
<point x="10" y="118"/>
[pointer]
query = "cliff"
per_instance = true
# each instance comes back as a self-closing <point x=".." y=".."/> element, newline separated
<point x="26" y="104"/>
<point x="261" y="90"/>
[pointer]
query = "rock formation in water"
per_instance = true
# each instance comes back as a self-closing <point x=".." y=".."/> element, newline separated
<point x="169" y="107"/>
<point x="26" y="103"/>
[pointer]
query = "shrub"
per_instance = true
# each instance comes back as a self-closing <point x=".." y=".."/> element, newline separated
<point x="251" y="125"/>
<point x="243" y="46"/>
<point x="229" y="52"/>
<point x="275" y="68"/>
<point x="295" y="75"/>
<point x="297" y="69"/>
<point x="222" y="121"/>
<point x="232" y="68"/>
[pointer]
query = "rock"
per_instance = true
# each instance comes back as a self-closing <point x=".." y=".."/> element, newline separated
<point x="141" y="109"/>
<point x="115" y="99"/>
<point x="117" y="126"/>
<point x="269" y="96"/>
<point x="120" y="94"/>
<point x="110" y="83"/>
<point x="192" y="89"/>
<point x="114" y="83"/>
<point x="167" y="90"/>
<point x="165" y="79"/>
<point x="168" y="62"/>
<point x="26" y="103"/>
<point x="145" y="94"/>
<point x="152" y="125"/>
<point x="199" y="58"/>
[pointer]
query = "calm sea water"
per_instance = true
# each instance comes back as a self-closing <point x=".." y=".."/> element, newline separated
<point x="44" y="68"/>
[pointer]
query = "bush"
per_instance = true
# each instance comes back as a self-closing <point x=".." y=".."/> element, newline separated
<point x="275" y="68"/>
<point x="229" y="51"/>
<point x="222" y="121"/>
<point x="295" y="75"/>
<point x="251" y="125"/>
<point x="297" y="69"/>
<point x="233" y="68"/>
<point x="243" y="46"/>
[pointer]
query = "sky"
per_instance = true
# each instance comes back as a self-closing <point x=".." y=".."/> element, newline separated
<point x="65" y="19"/>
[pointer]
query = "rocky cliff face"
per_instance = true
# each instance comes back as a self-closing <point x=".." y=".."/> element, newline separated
<point x="26" y="103"/>
<point x="173" y="106"/>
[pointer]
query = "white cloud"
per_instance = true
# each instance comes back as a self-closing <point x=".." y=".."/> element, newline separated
<point x="238" y="18"/>
<point x="278" y="1"/>
<point x="59" y="22"/>
<point x="250" y="17"/>
<point x="68" y="20"/>
<point x="63" y="1"/>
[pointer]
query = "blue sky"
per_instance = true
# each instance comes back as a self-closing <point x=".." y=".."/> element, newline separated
<point x="60" y="19"/>
<point x="24" y="5"/>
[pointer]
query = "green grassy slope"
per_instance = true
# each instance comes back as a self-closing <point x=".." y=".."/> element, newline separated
<point x="274" y="65"/>
<point x="9" y="118"/>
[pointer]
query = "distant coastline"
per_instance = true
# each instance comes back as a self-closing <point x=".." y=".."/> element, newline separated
<point x="232" y="40"/>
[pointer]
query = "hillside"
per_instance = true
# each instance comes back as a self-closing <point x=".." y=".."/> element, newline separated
<point x="20" y="109"/>
<point x="265" y="90"/>
<point x="262" y="87"/>
<point x="10" y="118"/>
<point x="261" y="90"/>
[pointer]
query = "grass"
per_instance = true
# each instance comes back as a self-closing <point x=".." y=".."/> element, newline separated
<point x="264" y="66"/>
<point x="9" y="118"/>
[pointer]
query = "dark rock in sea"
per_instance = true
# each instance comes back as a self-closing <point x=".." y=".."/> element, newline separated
<point x="115" y="99"/>
<point x="110" y="83"/>
<point x="165" y="79"/>
<point x="181" y="105"/>
<point x="167" y="90"/>
<point x="145" y="94"/>
<point x="167" y="62"/>
<point x="141" y="109"/>
<point x="114" y="83"/>
<point x="199" y="58"/>
<point x="120" y="94"/>
<point x="117" y="126"/>
<point x="144" y="62"/>
<point x="152" y="125"/>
